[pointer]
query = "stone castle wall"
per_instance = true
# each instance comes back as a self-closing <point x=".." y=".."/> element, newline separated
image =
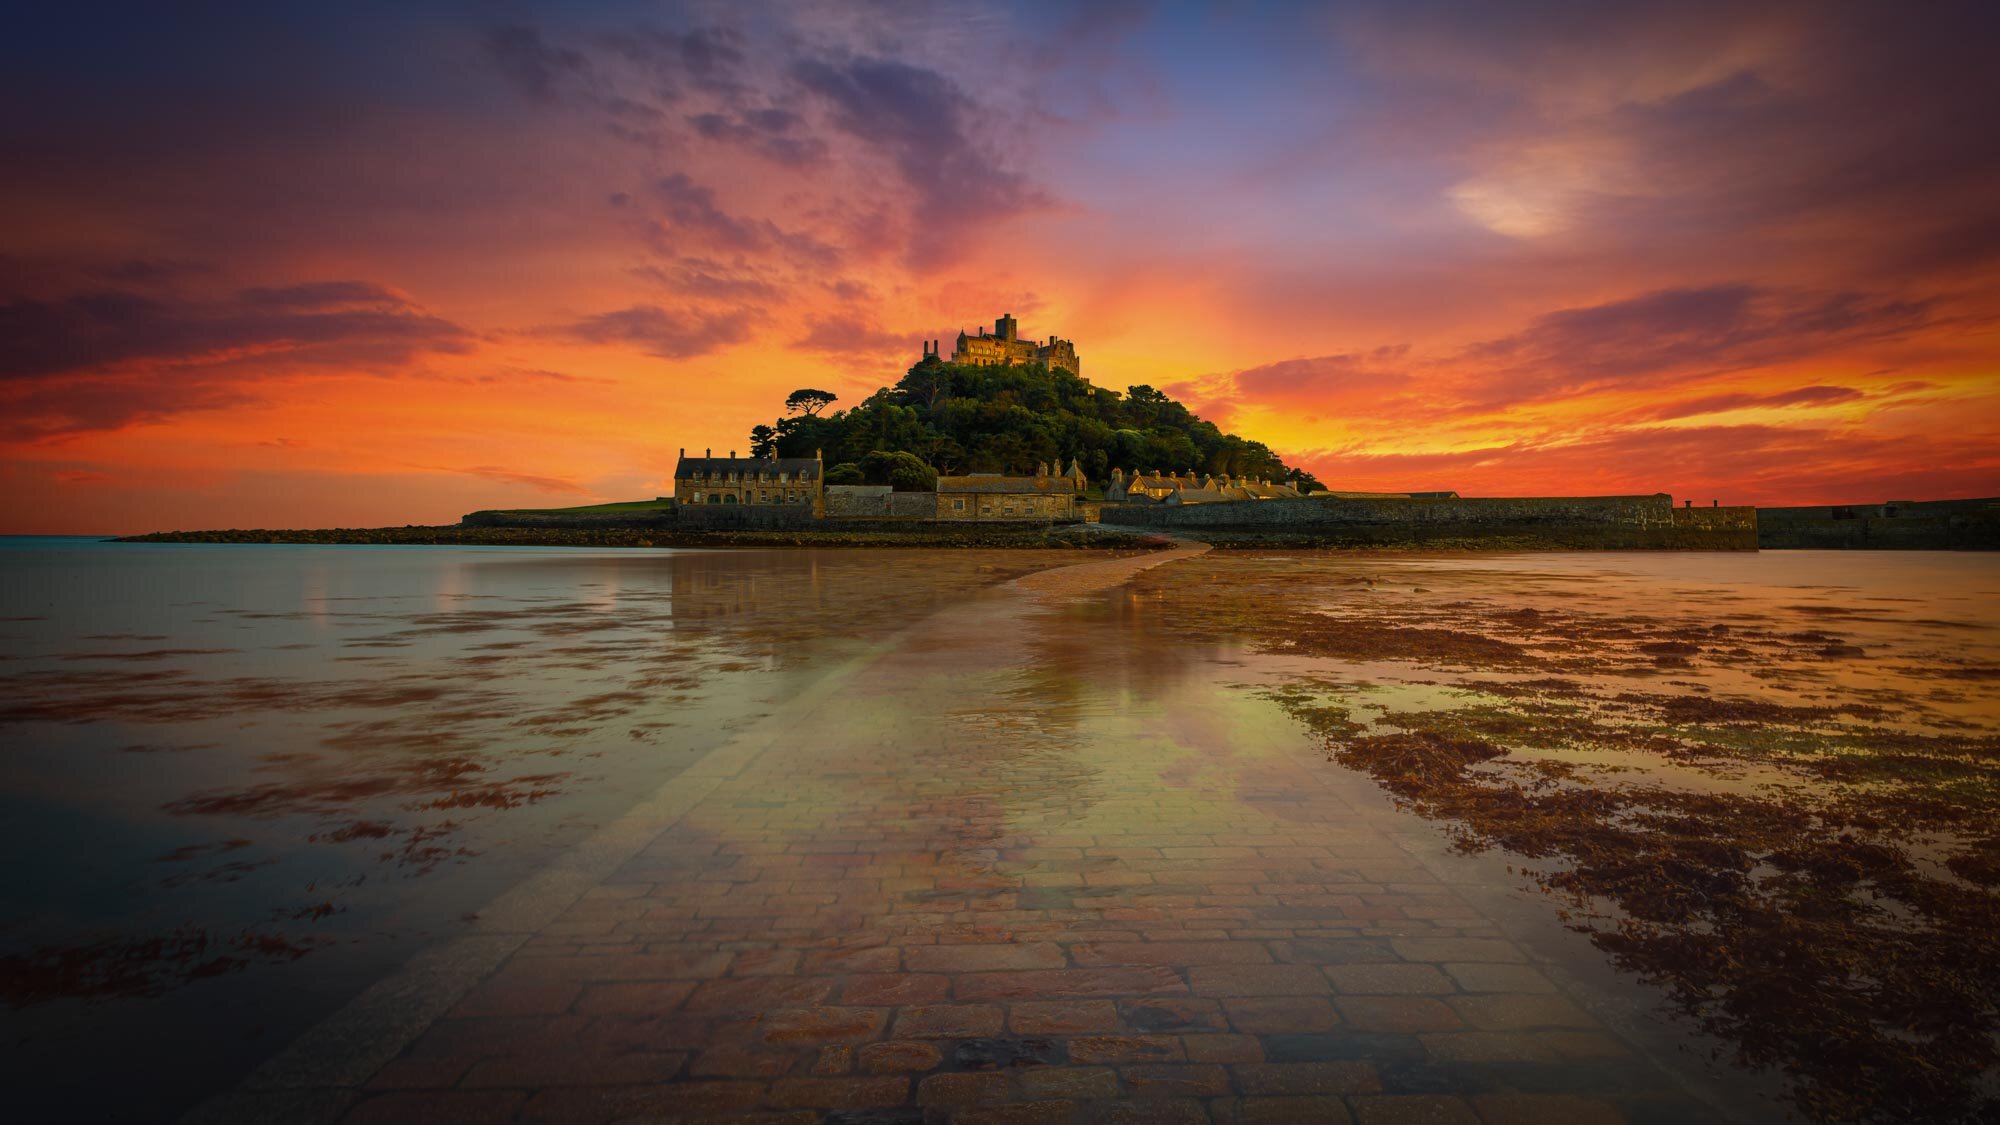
<point x="1570" y="522"/>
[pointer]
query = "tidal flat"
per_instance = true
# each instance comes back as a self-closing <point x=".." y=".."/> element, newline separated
<point x="1294" y="807"/>
<point x="1768" y="785"/>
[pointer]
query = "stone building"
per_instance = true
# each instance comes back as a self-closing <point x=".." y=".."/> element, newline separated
<point x="1186" y="488"/>
<point x="1005" y="346"/>
<point x="1048" y="495"/>
<point x="749" y="480"/>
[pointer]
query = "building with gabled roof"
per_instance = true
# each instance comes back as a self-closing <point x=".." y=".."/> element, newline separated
<point x="749" y="480"/>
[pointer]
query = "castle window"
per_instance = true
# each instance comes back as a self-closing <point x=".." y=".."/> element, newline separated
<point x="697" y="497"/>
<point x="958" y="505"/>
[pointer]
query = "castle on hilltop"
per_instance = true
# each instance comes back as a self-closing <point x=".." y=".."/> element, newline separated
<point x="1005" y="346"/>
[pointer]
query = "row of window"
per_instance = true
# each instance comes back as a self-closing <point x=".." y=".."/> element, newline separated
<point x="782" y="477"/>
<point x="763" y="497"/>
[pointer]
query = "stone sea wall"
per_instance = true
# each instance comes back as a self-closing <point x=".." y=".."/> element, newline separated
<point x="1555" y="522"/>
<point x="658" y="518"/>
<point x="1930" y="525"/>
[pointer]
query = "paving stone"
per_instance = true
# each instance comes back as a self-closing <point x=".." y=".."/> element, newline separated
<point x="812" y="1027"/>
<point x="1456" y="949"/>
<point x="1017" y="1113"/>
<point x="1422" y="1109"/>
<point x="1260" y="1015"/>
<point x="1172" y="1014"/>
<point x="1305" y="1110"/>
<point x="895" y="989"/>
<point x="1161" y="1080"/>
<point x="897" y="1057"/>
<point x="1170" y="953"/>
<point x="1546" y="1109"/>
<point x="977" y="958"/>
<point x="1126" y="1049"/>
<point x="1061" y="1017"/>
<point x="1201" y="1047"/>
<point x="730" y="1060"/>
<point x="961" y="1089"/>
<point x="1389" y="978"/>
<point x="1060" y="983"/>
<point x="633" y="997"/>
<point x="1475" y="976"/>
<point x="1514" y="1012"/>
<point x="1306" y="1078"/>
<point x="1067" y="1082"/>
<point x="948" y="1021"/>
<point x="1151" y="1111"/>
<point x="839" y="1093"/>
<point x="1257" y="980"/>
<point x="758" y="994"/>
<point x="1001" y="1054"/>
<point x="1396" y="1013"/>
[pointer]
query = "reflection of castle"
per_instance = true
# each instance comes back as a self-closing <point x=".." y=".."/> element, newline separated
<point x="1005" y="347"/>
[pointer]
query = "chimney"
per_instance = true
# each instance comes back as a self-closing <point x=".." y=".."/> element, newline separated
<point x="684" y="451"/>
<point x="732" y="455"/>
<point x="708" y="453"/>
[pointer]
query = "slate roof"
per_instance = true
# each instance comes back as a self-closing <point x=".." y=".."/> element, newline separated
<point x="996" y="483"/>
<point x="800" y="468"/>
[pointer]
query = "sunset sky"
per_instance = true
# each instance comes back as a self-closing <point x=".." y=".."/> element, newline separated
<point x="282" y="265"/>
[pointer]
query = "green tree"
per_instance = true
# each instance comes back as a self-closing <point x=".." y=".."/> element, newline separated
<point x="809" y="402"/>
<point x="763" y="441"/>
<point x="847" y="473"/>
<point x="904" y="472"/>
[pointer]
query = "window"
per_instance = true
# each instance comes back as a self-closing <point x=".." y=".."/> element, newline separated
<point x="958" y="505"/>
<point x="697" y="497"/>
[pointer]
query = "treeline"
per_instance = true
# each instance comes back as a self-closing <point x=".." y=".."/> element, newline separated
<point x="956" y="419"/>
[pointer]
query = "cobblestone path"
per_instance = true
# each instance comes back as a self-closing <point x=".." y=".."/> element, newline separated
<point x="938" y="892"/>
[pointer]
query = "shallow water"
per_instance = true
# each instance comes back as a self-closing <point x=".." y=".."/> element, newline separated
<point x="253" y="779"/>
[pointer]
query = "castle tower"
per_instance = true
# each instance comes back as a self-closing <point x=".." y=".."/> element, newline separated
<point x="1006" y="327"/>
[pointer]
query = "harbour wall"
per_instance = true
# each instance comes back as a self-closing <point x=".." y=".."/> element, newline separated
<point x="1906" y="525"/>
<point x="1528" y="523"/>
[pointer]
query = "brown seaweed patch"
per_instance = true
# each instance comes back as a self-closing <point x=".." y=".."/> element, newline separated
<point x="147" y="654"/>
<point x="510" y="793"/>
<point x="121" y="967"/>
<point x="1363" y="639"/>
<point x="1813" y="945"/>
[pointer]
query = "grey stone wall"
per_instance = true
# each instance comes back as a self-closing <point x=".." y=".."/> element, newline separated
<point x="1571" y="522"/>
<point x="1951" y="525"/>
<point x="745" y="517"/>
<point x="858" y="501"/>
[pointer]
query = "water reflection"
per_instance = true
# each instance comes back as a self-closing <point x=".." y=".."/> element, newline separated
<point x="253" y="777"/>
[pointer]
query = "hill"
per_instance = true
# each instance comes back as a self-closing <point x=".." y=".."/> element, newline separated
<point x="1008" y="419"/>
